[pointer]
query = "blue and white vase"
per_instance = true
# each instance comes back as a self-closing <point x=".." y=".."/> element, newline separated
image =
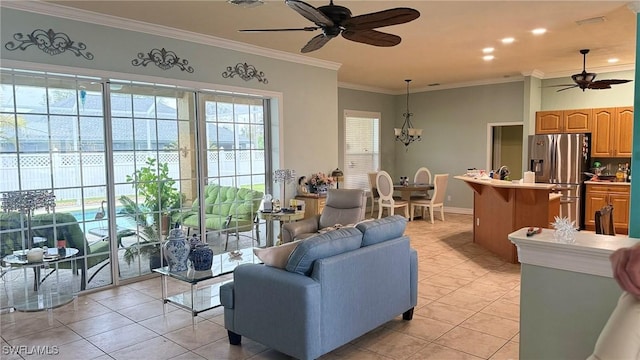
<point x="176" y="250"/>
<point x="201" y="257"/>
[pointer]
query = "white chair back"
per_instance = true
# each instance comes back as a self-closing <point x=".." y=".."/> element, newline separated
<point x="422" y="176"/>
<point x="439" y="188"/>
<point x="384" y="185"/>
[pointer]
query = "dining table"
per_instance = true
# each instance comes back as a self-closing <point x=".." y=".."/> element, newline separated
<point x="407" y="189"/>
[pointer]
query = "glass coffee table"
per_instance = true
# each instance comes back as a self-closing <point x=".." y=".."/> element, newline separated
<point x="206" y="297"/>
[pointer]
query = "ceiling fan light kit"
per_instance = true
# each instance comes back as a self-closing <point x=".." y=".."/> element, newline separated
<point x="586" y="80"/>
<point x="336" y="20"/>
<point x="407" y="134"/>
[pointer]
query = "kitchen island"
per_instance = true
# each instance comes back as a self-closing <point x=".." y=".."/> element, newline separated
<point x="501" y="207"/>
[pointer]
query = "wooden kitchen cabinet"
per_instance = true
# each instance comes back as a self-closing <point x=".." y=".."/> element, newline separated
<point x="612" y="132"/>
<point x="564" y="121"/>
<point x="313" y="204"/>
<point x="600" y="195"/>
<point x="623" y="132"/>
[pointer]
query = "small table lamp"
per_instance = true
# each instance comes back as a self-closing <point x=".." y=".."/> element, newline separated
<point x="338" y="176"/>
<point x="284" y="176"/>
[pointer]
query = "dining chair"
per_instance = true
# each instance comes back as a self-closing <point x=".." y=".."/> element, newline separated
<point x="422" y="176"/>
<point x="604" y="221"/>
<point x="373" y="190"/>
<point x="386" y="200"/>
<point x="437" y="200"/>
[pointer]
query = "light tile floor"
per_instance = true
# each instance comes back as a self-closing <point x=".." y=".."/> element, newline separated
<point x="468" y="308"/>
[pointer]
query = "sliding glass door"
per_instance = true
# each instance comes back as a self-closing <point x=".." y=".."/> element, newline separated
<point x="125" y="161"/>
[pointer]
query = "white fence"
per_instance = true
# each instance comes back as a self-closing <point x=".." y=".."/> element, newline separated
<point x="75" y="176"/>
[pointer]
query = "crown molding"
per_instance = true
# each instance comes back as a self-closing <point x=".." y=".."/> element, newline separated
<point x="432" y="88"/>
<point x="372" y="89"/>
<point x="65" y="12"/>
<point x="634" y="6"/>
<point x="534" y="73"/>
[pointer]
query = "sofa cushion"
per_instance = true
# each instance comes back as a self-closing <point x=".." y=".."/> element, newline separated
<point x="322" y="246"/>
<point x="276" y="256"/>
<point x="380" y="230"/>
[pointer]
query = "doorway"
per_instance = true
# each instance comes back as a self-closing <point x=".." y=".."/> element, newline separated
<point x="505" y="146"/>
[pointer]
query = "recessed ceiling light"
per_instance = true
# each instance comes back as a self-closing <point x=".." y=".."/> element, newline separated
<point x="487" y="50"/>
<point x="538" y="31"/>
<point x="488" y="57"/>
<point x="508" y="40"/>
<point x="613" y="60"/>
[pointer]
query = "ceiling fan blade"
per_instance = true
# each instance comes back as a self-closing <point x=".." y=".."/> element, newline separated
<point x="308" y="28"/>
<point x="310" y="13"/>
<point x="372" y="37"/>
<point x="612" y="81"/>
<point x="567" y="88"/>
<point x="316" y="43"/>
<point x="598" y="86"/>
<point x="381" y="18"/>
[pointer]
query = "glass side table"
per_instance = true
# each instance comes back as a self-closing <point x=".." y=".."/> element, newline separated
<point x="207" y="297"/>
<point x="43" y="294"/>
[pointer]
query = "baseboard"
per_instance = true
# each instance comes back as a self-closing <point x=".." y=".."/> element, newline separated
<point x="447" y="209"/>
<point x="455" y="210"/>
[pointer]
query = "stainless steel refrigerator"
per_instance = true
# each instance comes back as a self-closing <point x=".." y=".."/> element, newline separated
<point x="561" y="159"/>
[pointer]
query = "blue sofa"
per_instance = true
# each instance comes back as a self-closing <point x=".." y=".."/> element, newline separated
<point x="336" y="287"/>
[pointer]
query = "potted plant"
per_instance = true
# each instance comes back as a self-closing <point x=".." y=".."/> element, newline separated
<point x="155" y="187"/>
<point x="150" y="244"/>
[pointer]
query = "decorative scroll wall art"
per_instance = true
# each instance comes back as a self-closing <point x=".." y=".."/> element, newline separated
<point x="51" y="42"/>
<point x="245" y="72"/>
<point x="163" y="59"/>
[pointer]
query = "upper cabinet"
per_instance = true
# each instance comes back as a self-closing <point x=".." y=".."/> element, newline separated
<point x="564" y="121"/>
<point x="612" y="132"/>
<point x="611" y="128"/>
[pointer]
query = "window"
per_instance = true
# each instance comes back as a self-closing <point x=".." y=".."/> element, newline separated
<point x="361" y="148"/>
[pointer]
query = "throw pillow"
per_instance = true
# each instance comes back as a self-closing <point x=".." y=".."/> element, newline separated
<point x="276" y="256"/>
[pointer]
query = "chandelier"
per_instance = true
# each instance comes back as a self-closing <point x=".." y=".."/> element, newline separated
<point x="408" y="133"/>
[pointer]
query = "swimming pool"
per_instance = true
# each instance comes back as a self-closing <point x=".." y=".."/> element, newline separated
<point x="90" y="223"/>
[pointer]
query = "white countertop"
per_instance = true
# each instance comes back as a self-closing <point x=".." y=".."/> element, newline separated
<point x="505" y="184"/>
<point x="589" y="254"/>
<point x="621" y="183"/>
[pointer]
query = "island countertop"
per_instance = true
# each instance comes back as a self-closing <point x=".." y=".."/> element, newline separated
<point x="505" y="184"/>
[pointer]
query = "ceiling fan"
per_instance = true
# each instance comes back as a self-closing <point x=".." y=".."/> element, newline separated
<point x="335" y="20"/>
<point x="585" y="80"/>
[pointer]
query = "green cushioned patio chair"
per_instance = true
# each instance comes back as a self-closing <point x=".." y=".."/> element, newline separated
<point x="52" y="227"/>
